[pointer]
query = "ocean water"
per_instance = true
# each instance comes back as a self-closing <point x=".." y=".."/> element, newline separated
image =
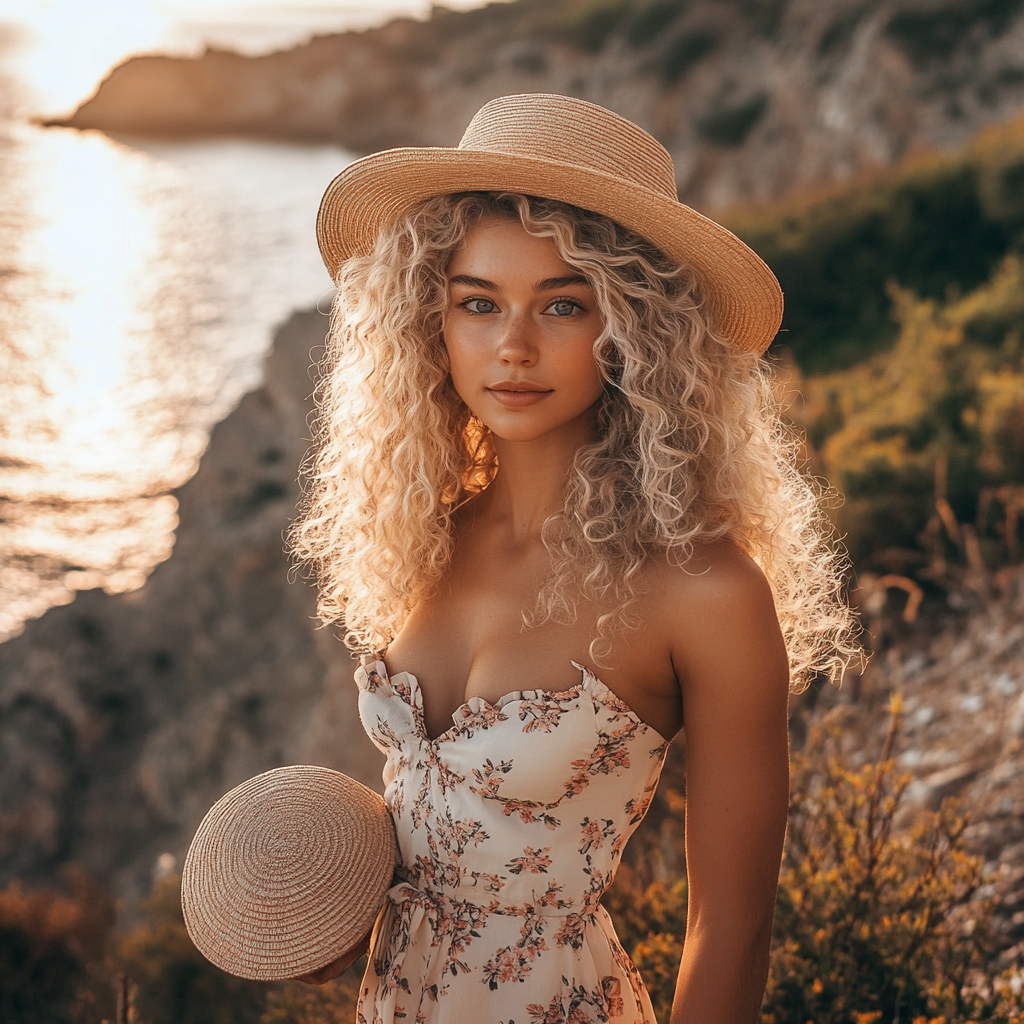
<point x="140" y="285"/>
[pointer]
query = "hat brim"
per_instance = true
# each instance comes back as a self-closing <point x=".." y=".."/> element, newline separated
<point x="287" y="872"/>
<point x="371" y="194"/>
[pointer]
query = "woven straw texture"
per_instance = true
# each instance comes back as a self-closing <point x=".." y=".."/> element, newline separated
<point x="566" y="149"/>
<point x="287" y="872"/>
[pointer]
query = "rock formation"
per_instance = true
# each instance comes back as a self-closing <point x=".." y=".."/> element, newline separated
<point x="122" y="718"/>
<point x="753" y="98"/>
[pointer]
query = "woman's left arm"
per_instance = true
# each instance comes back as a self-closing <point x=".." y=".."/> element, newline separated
<point x="731" y="661"/>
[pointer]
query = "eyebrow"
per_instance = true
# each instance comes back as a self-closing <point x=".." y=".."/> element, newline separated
<point x="542" y="286"/>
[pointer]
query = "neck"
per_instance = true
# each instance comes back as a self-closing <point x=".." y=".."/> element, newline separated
<point x="532" y="477"/>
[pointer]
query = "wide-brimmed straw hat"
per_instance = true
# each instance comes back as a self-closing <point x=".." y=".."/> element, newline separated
<point x="287" y="872"/>
<point x="560" y="148"/>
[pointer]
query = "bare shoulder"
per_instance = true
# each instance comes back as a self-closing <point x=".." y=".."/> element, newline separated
<point x="718" y="577"/>
<point x="716" y="616"/>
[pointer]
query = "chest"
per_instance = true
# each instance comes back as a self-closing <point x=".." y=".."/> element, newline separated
<point x="469" y="639"/>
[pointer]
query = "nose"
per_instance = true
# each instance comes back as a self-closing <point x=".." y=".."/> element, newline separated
<point x="518" y="344"/>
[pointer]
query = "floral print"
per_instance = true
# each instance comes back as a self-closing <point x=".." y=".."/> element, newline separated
<point x="510" y="827"/>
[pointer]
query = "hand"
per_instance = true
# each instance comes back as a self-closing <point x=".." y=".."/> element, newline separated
<point x="336" y="967"/>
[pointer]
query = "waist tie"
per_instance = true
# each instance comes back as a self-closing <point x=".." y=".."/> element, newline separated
<point x="436" y="929"/>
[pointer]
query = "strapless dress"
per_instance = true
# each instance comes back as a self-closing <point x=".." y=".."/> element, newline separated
<point x="510" y="827"/>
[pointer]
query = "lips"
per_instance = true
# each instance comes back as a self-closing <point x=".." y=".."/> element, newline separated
<point x="517" y="385"/>
<point x="516" y="394"/>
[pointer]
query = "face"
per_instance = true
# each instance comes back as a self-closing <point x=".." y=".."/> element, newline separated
<point x="520" y="331"/>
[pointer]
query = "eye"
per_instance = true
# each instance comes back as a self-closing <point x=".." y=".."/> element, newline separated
<point x="564" y="307"/>
<point x="478" y="306"/>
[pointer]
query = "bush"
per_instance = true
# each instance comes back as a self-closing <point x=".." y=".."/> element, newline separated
<point x="937" y="224"/>
<point x="173" y="984"/>
<point x="871" y="924"/>
<point x="874" y="923"/>
<point x="939" y="418"/>
<point x="51" y="954"/>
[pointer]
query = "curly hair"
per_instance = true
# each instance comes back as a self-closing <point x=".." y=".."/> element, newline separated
<point x="690" y="444"/>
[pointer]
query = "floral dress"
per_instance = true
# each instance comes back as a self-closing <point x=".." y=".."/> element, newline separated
<point x="510" y="827"/>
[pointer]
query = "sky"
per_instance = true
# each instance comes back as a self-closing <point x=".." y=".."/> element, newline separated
<point x="65" y="47"/>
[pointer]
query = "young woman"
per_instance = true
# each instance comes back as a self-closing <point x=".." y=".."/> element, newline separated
<point x="552" y="497"/>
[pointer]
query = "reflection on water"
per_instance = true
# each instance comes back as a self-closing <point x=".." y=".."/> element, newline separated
<point x="139" y="287"/>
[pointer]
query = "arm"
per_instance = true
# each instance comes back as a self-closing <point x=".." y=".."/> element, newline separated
<point x="729" y="656"/>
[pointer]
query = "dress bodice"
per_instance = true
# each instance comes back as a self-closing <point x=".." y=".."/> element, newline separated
<point x="518" y="812"/>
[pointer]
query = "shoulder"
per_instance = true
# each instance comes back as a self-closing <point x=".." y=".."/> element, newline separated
<point x="716" y="616"/>
<point x="717" y="577"/>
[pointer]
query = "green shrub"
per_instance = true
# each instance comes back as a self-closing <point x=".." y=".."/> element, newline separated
<point x="937" y="224"/>
<point x="949" y="397"/>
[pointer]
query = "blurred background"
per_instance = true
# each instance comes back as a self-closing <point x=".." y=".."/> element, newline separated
<point x="162" y="301"/>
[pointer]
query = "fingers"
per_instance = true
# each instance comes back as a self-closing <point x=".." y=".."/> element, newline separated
<point x="336" y="967"/>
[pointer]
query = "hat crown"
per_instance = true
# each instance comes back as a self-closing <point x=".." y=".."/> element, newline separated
<point x="573" y="132"/>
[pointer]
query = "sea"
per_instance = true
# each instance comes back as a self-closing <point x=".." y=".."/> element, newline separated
<point x="141" y="282"/>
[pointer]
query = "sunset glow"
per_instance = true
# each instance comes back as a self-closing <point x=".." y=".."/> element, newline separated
<point x="71" y="44"/>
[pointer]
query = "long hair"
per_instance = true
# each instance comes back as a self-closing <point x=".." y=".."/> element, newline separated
<point x="690" y="444"/>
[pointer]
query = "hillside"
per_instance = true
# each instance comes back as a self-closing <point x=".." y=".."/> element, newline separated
<point x="754" y="98"/>
<point x="123" y="717"/>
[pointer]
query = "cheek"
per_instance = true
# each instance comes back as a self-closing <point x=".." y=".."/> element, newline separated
<point x="586" y="371"/>
<point x="461" y="365"/>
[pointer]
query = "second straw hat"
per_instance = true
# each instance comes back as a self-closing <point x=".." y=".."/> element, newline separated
<point x="562" y="148"/>
<point x="287" y="872"/>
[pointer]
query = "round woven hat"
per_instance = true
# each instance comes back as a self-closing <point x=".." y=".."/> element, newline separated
<point x="560" y="148"/>
<point x="287" y="872"/>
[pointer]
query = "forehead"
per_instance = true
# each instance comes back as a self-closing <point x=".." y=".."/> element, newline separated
<point x="498" y="246"/>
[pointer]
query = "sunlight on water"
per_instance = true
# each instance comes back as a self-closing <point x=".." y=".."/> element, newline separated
<point x="140" y="284"/>
<point x="73" y="43"/>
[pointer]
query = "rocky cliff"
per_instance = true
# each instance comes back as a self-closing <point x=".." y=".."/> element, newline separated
<point x="754" y="98"/>
<point x="122" y="718"/>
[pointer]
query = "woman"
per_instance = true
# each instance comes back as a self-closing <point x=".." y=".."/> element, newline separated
<point x="552" y="483"/>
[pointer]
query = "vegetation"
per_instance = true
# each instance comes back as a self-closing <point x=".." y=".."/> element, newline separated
<point x="905" y="319"/>
<point x="930" y="434"/>
<point x="51" y="954"/>
<point x="172" y="982"/>
<point x="938" y="225"/>
<point x="874" y="923"/>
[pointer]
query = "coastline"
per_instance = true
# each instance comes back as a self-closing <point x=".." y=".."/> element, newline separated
<point x="124" y="717"/>
<point x="752" y="107"/>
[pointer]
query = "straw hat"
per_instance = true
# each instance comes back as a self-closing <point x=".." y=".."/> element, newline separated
<point x="287" y="872"/>
<point x="566" y="149"/>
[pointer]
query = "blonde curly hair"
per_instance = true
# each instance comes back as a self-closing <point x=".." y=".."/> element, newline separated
<point x="690" y="444"/>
